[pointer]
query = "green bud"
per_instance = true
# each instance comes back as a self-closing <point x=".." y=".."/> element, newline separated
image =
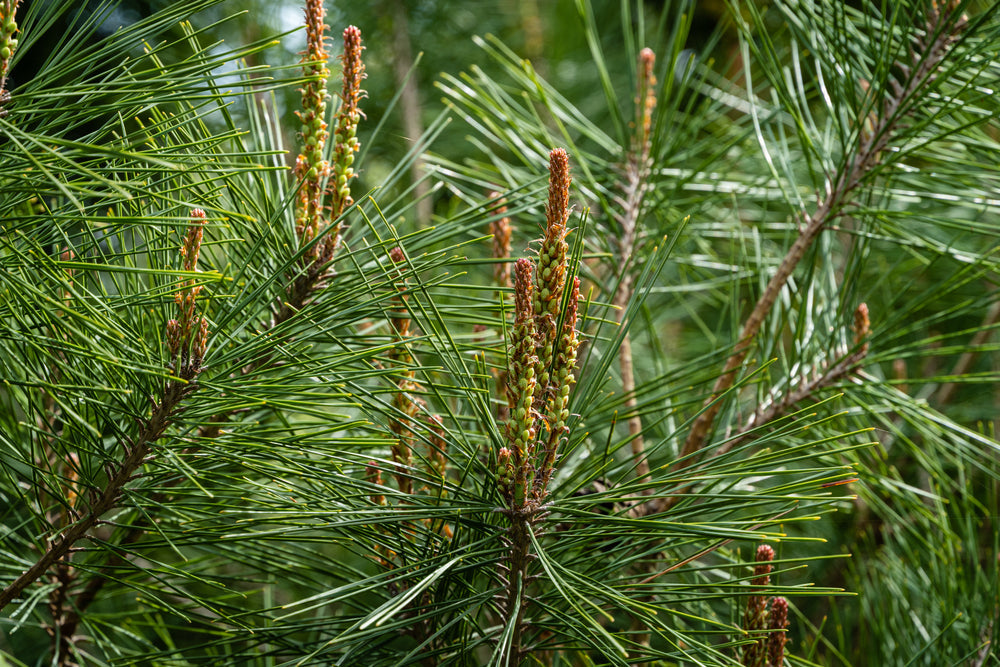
<point x="5" y="53"/>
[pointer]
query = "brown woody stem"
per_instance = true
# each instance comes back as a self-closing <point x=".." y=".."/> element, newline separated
<point x="152" y="431"/>
<point x="805" y="390"/>
<point x="868" y="156"/>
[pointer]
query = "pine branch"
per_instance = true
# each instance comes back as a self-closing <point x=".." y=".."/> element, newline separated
<point x="288" y="517"/>
<point x="944" y="29"/>
<point x="807" y="388"/>
<point x="187" y="339"/>
<point x="310" y="212"/>
<point x="319" y="205"/>
<point x="541" y="363"/>
<point x="168" y="407"/>
<point x="67" y="614"/>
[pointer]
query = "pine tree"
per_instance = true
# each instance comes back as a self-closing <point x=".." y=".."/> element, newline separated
<point x="692" y="370"/>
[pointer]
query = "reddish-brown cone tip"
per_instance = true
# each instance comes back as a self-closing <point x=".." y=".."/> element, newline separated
<point x="557" y="209"/>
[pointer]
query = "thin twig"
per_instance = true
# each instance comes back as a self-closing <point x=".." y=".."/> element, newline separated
<point x="947" y="390"/>
<point x="634" y="188"/>
<point x="767" y="413"/>
<point x="409" y="103"/>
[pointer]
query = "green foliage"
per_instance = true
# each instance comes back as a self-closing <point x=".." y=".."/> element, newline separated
<point x="329" y="477"/>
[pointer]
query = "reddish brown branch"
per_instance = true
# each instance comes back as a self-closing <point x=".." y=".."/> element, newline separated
<point x="947" y="390"/>
<point x="107" y="499"/>
<point x="926" y="58"/>
<point x="186" y="339"/>
<point x="767" y="413"/>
